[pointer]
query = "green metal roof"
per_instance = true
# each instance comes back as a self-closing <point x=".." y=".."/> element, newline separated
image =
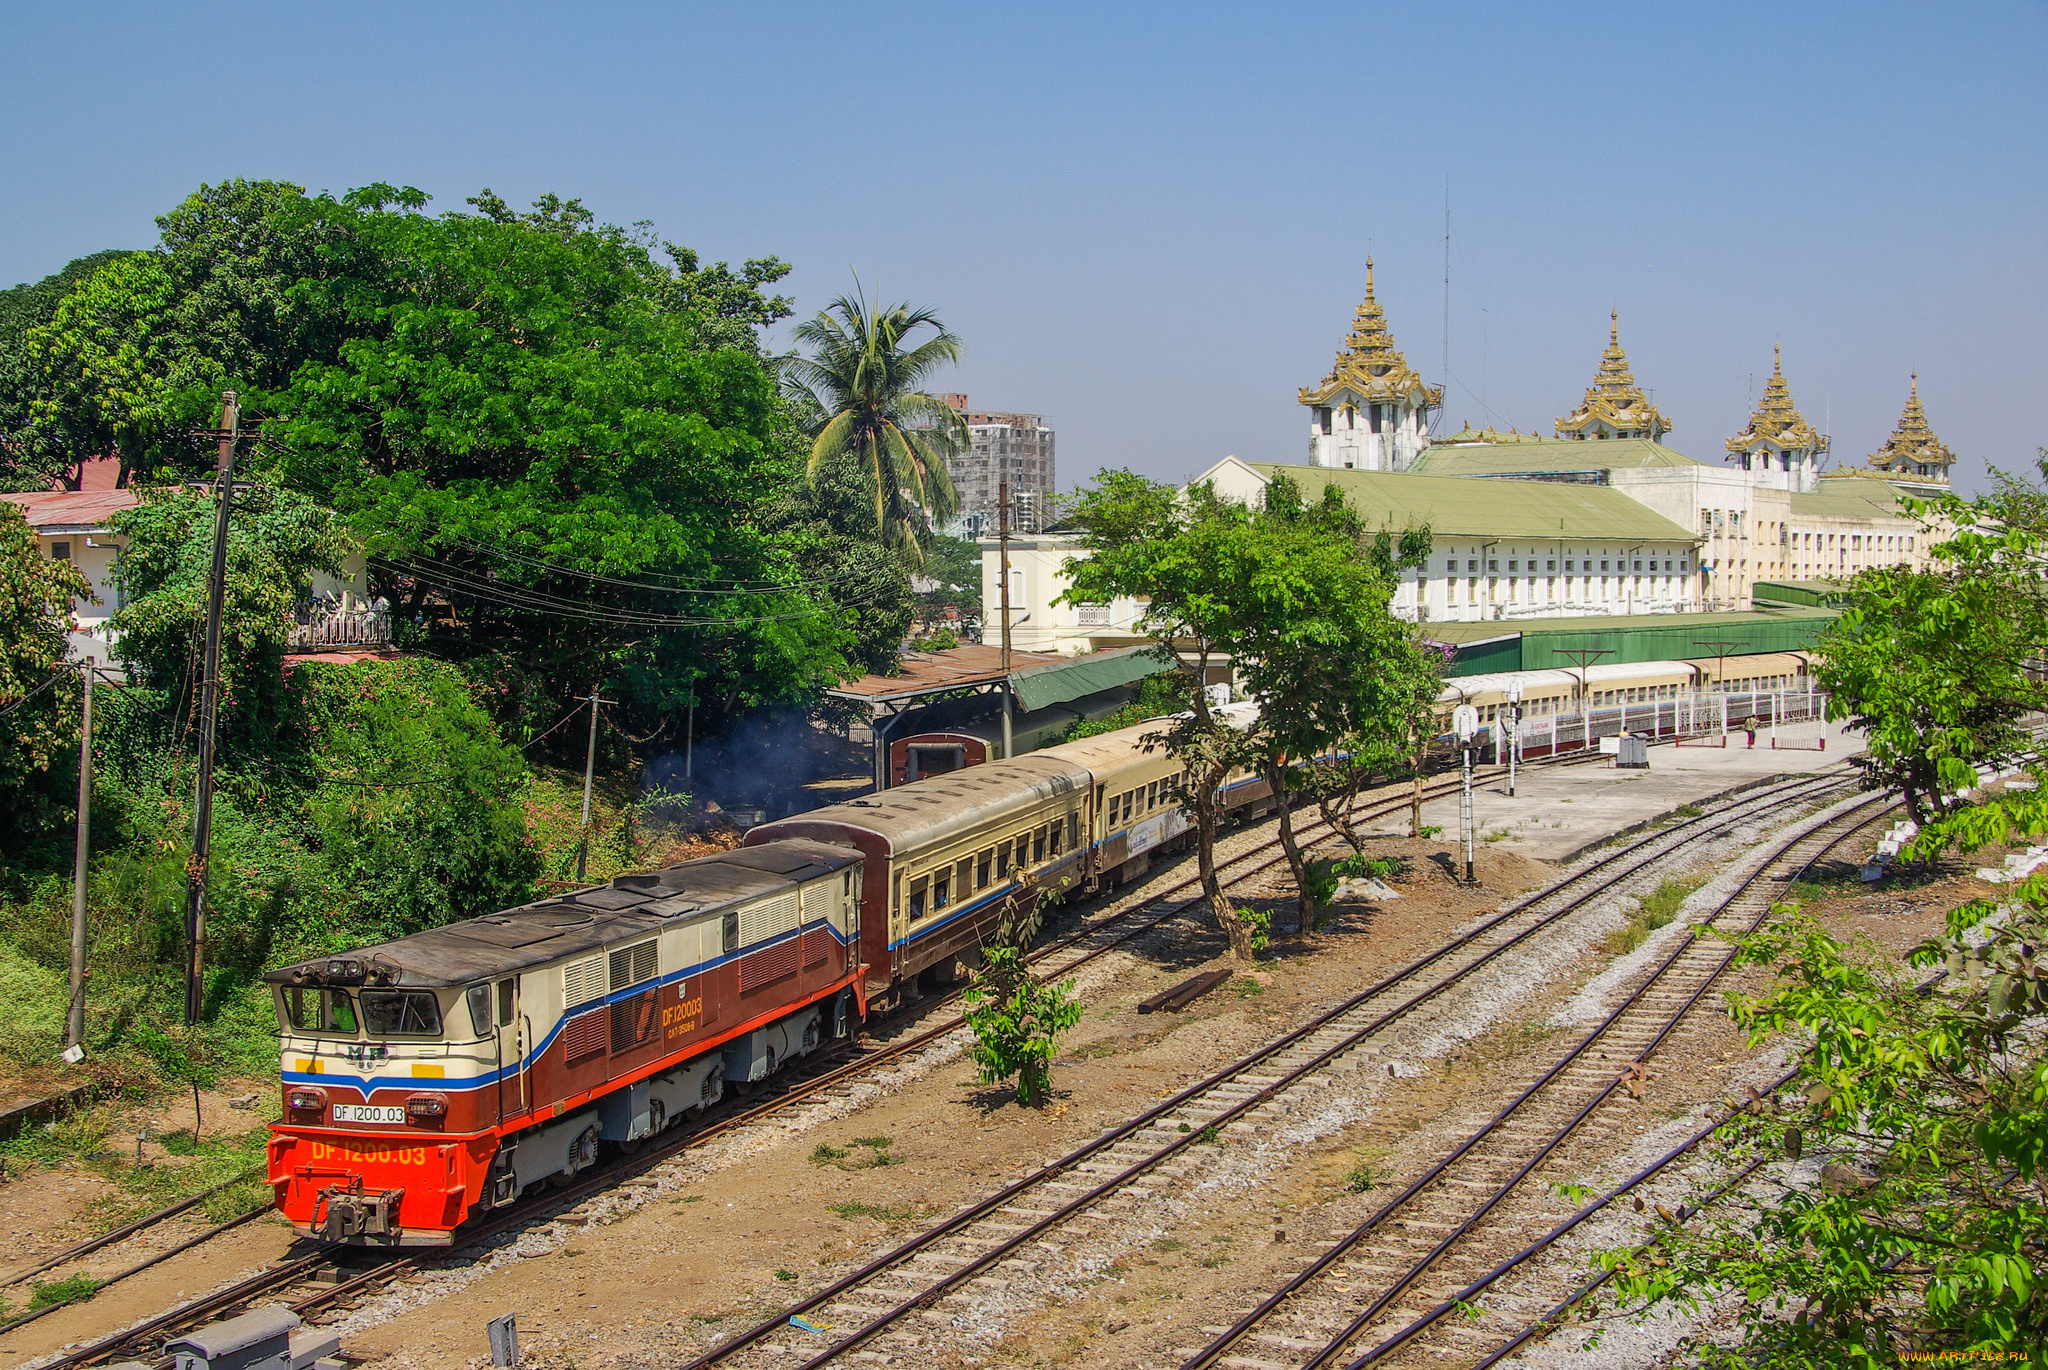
<point x="1823" y="594"/>
<point x="1535" y="644"/>
<point x="1037" y="687"/>
<point x="1454" y="507"/>
<point x="1854" y="497"/>
<point x="1517" y="455"/>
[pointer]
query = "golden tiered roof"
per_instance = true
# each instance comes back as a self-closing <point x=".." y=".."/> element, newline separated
<point x="1776" y="420"/>
<point x="1614" y="399"/>
<point x="1370" y="365"/>
<point x="1912" y="445"/>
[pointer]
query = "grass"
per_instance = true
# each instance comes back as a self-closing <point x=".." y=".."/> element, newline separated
<point x="70" y="1289"/>
<point x="1358" y="1179"/>
<point x="845" y="1157"/>
<point x="1656" y="909"/>
<point x="85" y="1138"/>
<point x="1498" y="835"/>
<point x="1688" y="811"/>
<point x="886" y="1213"/>
<point x="786" y="1276"/>
<point x="1248" y="988"/>
<point x="1166" y="1244"/>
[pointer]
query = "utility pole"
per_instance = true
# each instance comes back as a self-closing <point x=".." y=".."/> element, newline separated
<point x="74" y="1025"/>
<point x="1003" y="546"/>
<point x="209" y="702"/>
<point x="1721" y="649"/>
<point x="589" y="768"/>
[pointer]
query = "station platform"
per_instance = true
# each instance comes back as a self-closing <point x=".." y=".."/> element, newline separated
<point x="1558" y="811"/>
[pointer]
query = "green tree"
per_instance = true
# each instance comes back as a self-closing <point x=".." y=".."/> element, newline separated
<point x="526" y="422"/>
<point x="276" y="540"/>
<point x="1016" y="1020"/>
<point x="1931" y="665"/>
<point x="1319" y="647"/>
<point x="30" y="458"/>
<point x="952" y="573"/>
<point x="38" y="694"/>
<point x="861" y="389"/>
<point x="1185" y="556"/>
<point x="1927" y="1114"/>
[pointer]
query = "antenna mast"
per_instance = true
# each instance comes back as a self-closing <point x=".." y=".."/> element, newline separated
<point x="1440" y="413"/>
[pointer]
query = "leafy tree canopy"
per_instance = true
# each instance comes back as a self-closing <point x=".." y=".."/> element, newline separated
<point x="31" y="459"/>
<point x="38" y="696"/>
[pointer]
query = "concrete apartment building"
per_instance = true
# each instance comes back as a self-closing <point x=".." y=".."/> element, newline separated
<point x="1016" y="447"/>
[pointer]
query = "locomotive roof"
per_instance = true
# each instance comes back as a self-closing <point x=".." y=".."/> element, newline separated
<point x="909" y="816"/>
<point x="533" y="934"/>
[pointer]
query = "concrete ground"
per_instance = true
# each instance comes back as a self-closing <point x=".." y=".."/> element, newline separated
<point x="1557" y="810"/>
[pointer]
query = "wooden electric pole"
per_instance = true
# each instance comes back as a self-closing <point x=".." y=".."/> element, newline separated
<point x="209" y="703"/>
<point x="74" y="1023"/>
<point x="589" y="768"/>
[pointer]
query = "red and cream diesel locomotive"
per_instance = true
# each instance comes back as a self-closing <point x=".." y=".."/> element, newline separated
<point x="437" y="1076"/>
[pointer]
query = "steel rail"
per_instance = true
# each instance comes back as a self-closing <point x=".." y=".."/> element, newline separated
<point x="1730" y="814"/>
<point x="284" y="1275"/>
<point x="1420" y="1266"/>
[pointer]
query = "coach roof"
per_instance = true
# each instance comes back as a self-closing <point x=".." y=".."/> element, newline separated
<point x="911" y="817"/>
<point x="533" y="934"/>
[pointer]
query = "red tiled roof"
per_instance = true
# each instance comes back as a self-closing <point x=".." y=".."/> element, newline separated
<point x="71" y="509"/>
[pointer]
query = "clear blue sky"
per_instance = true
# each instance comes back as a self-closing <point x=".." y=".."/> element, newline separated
<point x="1151" y="222"/>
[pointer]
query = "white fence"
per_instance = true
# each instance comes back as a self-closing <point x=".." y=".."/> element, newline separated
<point x="1698" y="715"/>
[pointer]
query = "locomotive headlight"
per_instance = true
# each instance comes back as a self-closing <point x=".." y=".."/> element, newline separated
<point x="306" y="1101"/>
<point x="426" y="1108"/>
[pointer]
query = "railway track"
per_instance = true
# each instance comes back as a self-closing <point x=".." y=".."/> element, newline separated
<point x="313" y="1286"/>
<point x="890" y="1300"/>
<point x="1391" y="1287"/>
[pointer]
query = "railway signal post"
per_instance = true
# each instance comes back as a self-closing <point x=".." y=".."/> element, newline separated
<point x="1465" y="722"/>
<point x="1513" y="713"/>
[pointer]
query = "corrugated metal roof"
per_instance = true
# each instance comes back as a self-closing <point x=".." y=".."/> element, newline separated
<point x="71" y="510"/>
<point x="956" y="668"/>
<point x="1627" y="638"/>
<point x="1040" y="686"/>
<point x="1550" y="455"/>
<point x="1455" y="507"/>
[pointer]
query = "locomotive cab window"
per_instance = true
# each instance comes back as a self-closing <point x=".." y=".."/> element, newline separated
<point x="401" y="1013"/>
<point x="323" y="1012"/>
<point x="479" y="997"/>
<point x="505" y="988"/>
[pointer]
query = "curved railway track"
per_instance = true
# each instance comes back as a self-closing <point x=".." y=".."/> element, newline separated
<point x="912" y="1282"/>
<point x="296" y="1280"/>
<point x="1388" y="1287"/>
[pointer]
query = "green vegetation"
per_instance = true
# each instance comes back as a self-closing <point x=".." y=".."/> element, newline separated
<point x="1016" y="1023"/>
<point x="1688" y="811"/>
<point x="1358" y="1179"/>
<point x="568" y="460"/>
<point x="861" y="393"/>
<point x="886" y="1213"/>
<point x="1655" y="910"/>
<point x="70" y="1289"/>
<point x="877" y="1148"/>
<point x="1157" y="696"/>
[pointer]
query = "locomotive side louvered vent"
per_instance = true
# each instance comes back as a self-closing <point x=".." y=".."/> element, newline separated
<point x="632" y="966"/>
<point x="769" y="918"/>
<point x="582" y="981"/>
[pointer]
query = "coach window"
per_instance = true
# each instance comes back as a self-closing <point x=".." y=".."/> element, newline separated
<point x="1002" y="860"/>
<point x="1058" y="826"/>
<point x="1074" y="829"/>
<point x="1038" y="846"/>
<point x="981" y="869"/>
<point x="963" y="877"/>
<point x="917" y="898"/>
<point x="942" y="888"/>
<point x="1023" y="849"/>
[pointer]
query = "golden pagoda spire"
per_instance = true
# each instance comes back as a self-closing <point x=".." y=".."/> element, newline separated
<point x="1615" y="406"/>
<point x="1777" y="423"/>
<point x="1370" y="366"/>
<point x="1912" y="452"/>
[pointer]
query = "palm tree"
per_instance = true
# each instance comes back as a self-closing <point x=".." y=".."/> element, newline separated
<point x="861" y="388"/>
